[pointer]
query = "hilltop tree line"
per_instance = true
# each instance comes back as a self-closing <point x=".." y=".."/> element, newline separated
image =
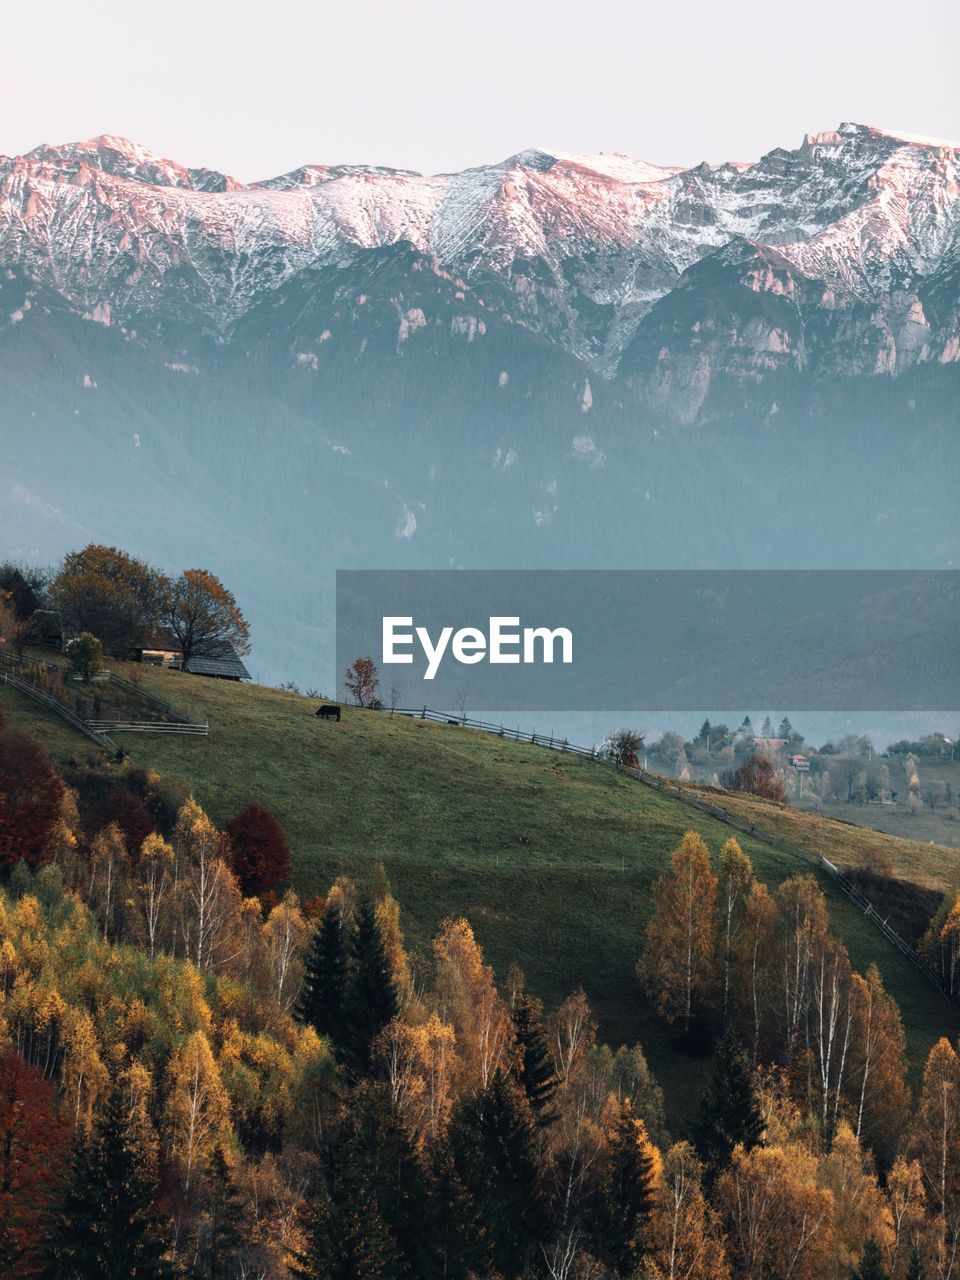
<point x="122" y="602"/>
<point x="202" y="1075"/>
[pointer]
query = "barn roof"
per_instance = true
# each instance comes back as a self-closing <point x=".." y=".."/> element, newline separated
<point x="218" y="660"/>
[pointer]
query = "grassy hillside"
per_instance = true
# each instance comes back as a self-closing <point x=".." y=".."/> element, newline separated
<point x="551" y="857"/>
<point x="932" y="865"/>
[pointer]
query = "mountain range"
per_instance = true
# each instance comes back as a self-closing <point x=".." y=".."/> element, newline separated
<point x="561" y="359"/>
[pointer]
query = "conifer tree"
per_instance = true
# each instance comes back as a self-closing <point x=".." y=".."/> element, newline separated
<point x="322" y="999"/>
<point x="454" y="1242"/>
<point x="388" y="1164"/>
<point x="534" y="1067"/>
<point x="493" y="1139"/>
<point x="371" y="995"/>
<point x="224" y="1236"/>
<point x="108" y="1226"/>
<point x="914" y="1269"/>
<point x="626" y="1195"/>
<point x="729" y="1109"/>
<point x="871" y="1263"/>
<point x="348" y="1238"/>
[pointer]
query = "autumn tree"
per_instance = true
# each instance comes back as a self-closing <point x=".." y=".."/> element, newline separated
<point x="875" y="1084"/>
<point x="683" y="1240"/>
<point x="734" y="879"/>
<point x="112" y="595"/>
<point x="829" y="1023"/>
<point x="388" y="918"/>
<point x="573" y="1031"/>
<point x="467" y="998"/>
<point x="197" y="1113"/>
<point x="860" y="1211"/>
<point x="941" y="944"/>
<point x="937" y="1127"/>
<point x="204" y="615"/>
<point x="34" y="1144"/>
<point x="801" y="929"/>
<point x="361" y="681"/>
<point x="207" y="894"/>
<point x="260" y="851"/>
<point x="153" y="877"/>
<point x="285" y="934"/>
<point x="752" y="965"/>
<point x="24" y="587"/>
<point x="419" y="1064"/>
<point x="678" y="961"/>
<point x="31" y="795"/>
<point x="758" y="777"/>
<point x="906" y="1199"/>
<point x="623" y="747"/>
<point x="108" y="872"/>
<point x="9" y="626"/>
<point x="779" y="1219"/>
<point x="108" y="1226"/>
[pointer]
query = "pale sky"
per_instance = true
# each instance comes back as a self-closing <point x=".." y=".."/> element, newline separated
<point x="258" y="89"/>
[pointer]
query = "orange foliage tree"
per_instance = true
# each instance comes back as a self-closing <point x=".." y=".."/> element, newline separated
<point x="678" y="963"/>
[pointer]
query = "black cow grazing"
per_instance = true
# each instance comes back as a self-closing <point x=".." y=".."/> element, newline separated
<point x="328" y="713"/>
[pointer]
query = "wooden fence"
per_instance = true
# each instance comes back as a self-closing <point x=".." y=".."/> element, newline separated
<point x="147" y="726"/>
<point x="51" y="704"/>
<point x="18" y="670"/>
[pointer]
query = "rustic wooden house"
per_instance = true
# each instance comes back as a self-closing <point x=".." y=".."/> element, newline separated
<point x="218" y="660"/>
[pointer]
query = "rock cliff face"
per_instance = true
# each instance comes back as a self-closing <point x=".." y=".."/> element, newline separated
<point x="837" y="258"/>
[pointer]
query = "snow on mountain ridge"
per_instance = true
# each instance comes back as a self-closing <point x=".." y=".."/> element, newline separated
<point x="107" y="222"/>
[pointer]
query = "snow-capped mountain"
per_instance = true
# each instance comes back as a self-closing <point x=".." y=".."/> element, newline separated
<point x="580" y="248"/>
<point x="348" y="366"/>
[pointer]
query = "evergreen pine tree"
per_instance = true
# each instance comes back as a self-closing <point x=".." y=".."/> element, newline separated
<point x="914" y="1265"/>
<point x="108" y="1227"/>
<point x="453" y="1241"/>
<point x="493" y="1138"/>
<point x="224" y="1236"/>
<point x="372" y="997"/>
<point x="871" y="1263"/>
<point x="322" y="999"/>
<point x="348" y="1238"/>
<point x="390" y="1168"/>
<point x="729" y="1109"/>
<point x="625" y="1196"/>
<point x="534" y="1068"/>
